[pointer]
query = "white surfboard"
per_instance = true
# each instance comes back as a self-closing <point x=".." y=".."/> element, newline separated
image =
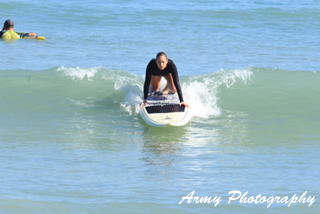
<point x="165" y="110"/>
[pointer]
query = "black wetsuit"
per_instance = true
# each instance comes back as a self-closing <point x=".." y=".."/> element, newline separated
<point x="23" y="34"/>
<point x="152" y="69"/>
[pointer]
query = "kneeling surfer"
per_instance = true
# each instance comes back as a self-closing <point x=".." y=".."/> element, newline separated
<point x="160" y="67"/>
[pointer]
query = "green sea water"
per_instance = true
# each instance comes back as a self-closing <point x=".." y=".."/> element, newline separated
<point x="75" y="142"/>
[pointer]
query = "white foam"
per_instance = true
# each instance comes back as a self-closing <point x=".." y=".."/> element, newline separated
<point x="122" y="79"/>
<point x="231" y="77"/>
<point x="201" y="93"/>
<point x="202" y="98"/>
<point x="131" y="102"/>
<point x="79" y="73"/>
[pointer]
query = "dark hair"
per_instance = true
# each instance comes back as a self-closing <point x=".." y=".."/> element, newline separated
<point x="160" y="54"/>
<point x="7" y="24"/>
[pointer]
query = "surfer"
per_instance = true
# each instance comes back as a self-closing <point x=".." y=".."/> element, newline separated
<point x="160" y="67"/>
<point x="8" y="33"/>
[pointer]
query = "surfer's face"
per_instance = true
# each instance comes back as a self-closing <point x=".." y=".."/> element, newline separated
<point x="162" y="62"/>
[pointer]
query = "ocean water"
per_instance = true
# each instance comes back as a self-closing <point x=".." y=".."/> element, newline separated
<point x="71" y="140"/>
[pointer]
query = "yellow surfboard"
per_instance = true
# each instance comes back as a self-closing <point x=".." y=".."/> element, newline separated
<point x="40" y="38"/>
<point x="35" y="37"/>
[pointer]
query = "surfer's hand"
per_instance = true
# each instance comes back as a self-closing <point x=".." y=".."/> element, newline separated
<point x="184" y="104"/>
<point x="144" y="103"/>
<point x="32" y="34"/>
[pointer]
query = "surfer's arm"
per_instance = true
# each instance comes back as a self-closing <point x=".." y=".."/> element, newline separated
<point x="146" y="85"/>
<point x="147" y="82"/>
<point x="176" y="81"/>
<point x="26" y="35"/>
<point x="22" y="34"/>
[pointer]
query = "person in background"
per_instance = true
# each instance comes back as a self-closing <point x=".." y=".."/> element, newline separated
<point x="8" y="33"/>
<point x="160" y="67"/>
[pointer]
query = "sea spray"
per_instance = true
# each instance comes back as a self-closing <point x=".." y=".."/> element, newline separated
<point x="202" y="91"/>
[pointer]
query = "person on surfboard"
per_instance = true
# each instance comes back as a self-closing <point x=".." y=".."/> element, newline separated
<point x="8" y="33"/>
<point x="160" y="67"/>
